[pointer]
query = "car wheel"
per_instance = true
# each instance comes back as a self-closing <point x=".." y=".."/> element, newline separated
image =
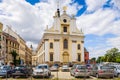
<point x="13" y="76"/>
<point x="48" y="76"/>
<point x="8" y="75"/>
<point x="26" y="75"/>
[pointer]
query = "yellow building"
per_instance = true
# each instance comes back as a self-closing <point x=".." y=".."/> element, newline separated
<point x="28" y="56"/>
<point x="34" y="60"/>
<point x="23" y="49"/>
<point x="2" y="45"/>
<point x="63" y="42"/>
<point x="11" y="45"/>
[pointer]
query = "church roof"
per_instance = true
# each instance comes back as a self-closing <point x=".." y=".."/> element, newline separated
<point x="85" y="50"/>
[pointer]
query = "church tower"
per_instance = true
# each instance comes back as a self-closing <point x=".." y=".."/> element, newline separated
<point x="63" y="42"/>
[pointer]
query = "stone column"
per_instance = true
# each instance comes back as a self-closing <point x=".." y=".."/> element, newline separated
<point x="82" y="51"/>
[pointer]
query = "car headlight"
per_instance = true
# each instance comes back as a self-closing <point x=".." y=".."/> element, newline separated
<point x="34" y="72"/>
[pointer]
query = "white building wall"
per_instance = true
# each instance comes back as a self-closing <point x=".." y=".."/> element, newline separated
<point x="57" y="24"/>
<point x="82" y="54"/>
<point x="73" y="26"/>
<point x="46" y="51"/>
<point x="56" y="51"/>
<point x="74" y="50"/>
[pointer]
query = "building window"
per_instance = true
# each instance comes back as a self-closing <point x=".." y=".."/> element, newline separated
<point x="65" y="44"/>
<point x="0" y="38"/>
<point x="51" y="57"/>
<point x="51" y="45"/>
<point x="0" y="46"/>
<point x="65" y="29"/>
<point x="64" y="20"/>
<point x="85" y="55"/>
<point x="78" y="46"/>
<point x="78" y="57"/>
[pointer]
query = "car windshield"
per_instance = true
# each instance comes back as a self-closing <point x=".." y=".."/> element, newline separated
<point x="20" y="67"/>
<point x="118" y="67"/>
<point x="107" y="67"/>
<point x="42" y="67"/>
<point x="65" y="66"/>
<point x="55" y="65"/>
<point x="5" y="67"/>
<point x="81" y="67"/>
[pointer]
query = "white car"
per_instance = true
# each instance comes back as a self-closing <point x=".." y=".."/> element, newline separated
<point x="65" y="68"/>
<point x="117" y="70"/>
<point x="42" y="70"/>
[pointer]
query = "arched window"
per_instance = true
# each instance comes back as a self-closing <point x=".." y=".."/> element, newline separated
<point x="51" y="45"/>
<point x="78" y="46"/>
<point x="65" y="44"/>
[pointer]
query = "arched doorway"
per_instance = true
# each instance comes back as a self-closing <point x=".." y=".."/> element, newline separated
<point x="65" y="57"/>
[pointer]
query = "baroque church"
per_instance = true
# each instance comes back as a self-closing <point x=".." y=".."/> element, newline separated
<point x="62" y="43"/>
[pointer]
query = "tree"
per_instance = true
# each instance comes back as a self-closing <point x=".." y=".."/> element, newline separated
<point x="112" y="55"/>
<point x="14" y="55"/>
<point x="100" y="59"/>
<point x="93" y="60"/>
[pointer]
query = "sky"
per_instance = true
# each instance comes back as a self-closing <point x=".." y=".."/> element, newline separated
<point x="99" y="19"/>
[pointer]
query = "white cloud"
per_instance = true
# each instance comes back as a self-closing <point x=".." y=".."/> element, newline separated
<point x="94" y="4"/>
<point x="31" y="20"/>
<point x="98" y="51"/>
<point x="115" y="42"/>
<point x="98" y="23"/>
<point x="116" y="3"/>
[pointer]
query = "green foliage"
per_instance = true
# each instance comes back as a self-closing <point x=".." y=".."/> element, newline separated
<point x="100" y="59"/>
<point x="112" y="55"/>
<point x="93" y="60"/>
<point x="14" y="55"/>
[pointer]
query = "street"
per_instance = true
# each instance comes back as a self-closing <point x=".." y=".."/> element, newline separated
<point x="60" y="75"/>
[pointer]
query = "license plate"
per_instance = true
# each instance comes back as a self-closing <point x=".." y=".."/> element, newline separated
<point x="17" y="71"/>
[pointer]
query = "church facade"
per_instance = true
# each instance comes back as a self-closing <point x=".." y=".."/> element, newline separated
<point x="62" y="43"/>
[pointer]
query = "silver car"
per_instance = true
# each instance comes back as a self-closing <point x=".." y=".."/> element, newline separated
<point x="117" y="70"/>
<point x="103" y="71"/>
<point x="54" y="68"/>
<point x="80" y="71"/>
<point x="42" y="70"/>
<point x="5" y="71"/>
<point x="65" y="68"/>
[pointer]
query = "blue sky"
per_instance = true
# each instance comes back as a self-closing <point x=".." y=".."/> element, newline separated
<point x="99" y="19"/>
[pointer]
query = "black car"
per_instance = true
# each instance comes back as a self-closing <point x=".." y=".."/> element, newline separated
<point x="21" y="71"/>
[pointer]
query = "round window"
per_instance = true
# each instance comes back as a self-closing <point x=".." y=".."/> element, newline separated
<point x="64" y="20"/>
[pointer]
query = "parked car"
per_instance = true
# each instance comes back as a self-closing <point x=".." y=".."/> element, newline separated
<point x="65" y="68"/>
<point x="79" y="70"/>
<point x="70" y="64"/>
<point x="56" y="65"/>
<point x="103" y="71"/>
<point x="117" y="70"/>
<point x="21" y="71"/>
<point x="5" y="71"/>
<point x="42" y="70"/>
<point x="54" y="68"/>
